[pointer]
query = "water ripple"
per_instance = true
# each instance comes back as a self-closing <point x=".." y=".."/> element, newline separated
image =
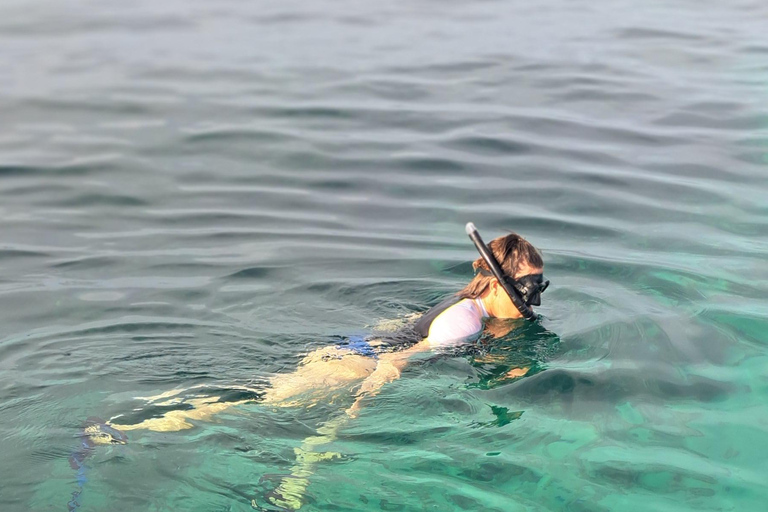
<point x="199" y="195"/>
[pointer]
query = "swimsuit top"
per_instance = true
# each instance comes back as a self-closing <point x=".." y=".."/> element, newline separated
<point x="454" y="319"/>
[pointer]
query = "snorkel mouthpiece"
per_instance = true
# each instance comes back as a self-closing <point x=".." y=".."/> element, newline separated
<point x="487" y="255"/>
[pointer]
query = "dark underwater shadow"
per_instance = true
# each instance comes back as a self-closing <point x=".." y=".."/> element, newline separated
<point x="522" y="352"/>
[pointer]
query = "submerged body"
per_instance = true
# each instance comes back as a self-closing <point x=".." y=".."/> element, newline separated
<point x="369" y="365"/>
<point x="507" y="282"/>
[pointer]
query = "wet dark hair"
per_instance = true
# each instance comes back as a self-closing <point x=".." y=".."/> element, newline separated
<point x="511" y="251"/>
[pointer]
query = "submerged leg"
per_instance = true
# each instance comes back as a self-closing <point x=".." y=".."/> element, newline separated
<point x="289" y="494"/>
<point x="318" y="374"/>
<point x="204" y="409"/>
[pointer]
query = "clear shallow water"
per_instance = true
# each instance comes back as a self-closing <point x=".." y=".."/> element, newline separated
<point x="198" y="194"/>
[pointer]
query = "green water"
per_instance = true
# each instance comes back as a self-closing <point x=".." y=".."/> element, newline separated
<point x="198" y="194"/>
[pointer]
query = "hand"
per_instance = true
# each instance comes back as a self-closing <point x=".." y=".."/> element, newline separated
<point x="516" y="372"/>
<point x="354" y="410"/>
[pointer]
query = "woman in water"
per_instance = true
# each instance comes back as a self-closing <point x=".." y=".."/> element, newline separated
<point x="456" y="320"/>
<point x="508" y="280"/>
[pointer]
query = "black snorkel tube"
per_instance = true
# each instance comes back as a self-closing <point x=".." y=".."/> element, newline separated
<point x="517" y="300"/>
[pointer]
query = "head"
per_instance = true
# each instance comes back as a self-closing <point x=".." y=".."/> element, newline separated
<point x="518" y="259"/>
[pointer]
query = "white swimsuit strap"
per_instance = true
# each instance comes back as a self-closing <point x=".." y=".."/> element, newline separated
<point x="479" y="302"/>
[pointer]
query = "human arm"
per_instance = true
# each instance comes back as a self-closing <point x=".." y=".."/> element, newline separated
<point x="498" y="328"/>
<point x="388" y="369"/>
<point x="453" y="325"/>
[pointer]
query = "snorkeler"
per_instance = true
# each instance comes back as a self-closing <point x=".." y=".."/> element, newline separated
<point x="508" y="281"/>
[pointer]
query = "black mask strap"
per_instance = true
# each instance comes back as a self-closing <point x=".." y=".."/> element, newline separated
<point x="514" y="296"/>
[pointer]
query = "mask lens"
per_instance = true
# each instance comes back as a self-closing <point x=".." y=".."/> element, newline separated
<point x="530" y="288"/>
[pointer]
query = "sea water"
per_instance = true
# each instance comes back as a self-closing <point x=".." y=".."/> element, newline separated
<point x="199" y="193"/>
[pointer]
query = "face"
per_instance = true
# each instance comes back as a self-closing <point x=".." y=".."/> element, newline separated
<point x="501" y="306"/>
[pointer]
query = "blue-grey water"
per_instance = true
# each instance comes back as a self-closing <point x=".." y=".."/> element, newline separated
<point x="199" y="193"/>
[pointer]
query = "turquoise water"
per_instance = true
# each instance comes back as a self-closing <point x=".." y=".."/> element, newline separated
<point x="196" y="193"/>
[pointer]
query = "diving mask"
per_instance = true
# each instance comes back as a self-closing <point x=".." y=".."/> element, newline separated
<point x="524" y="291"/>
